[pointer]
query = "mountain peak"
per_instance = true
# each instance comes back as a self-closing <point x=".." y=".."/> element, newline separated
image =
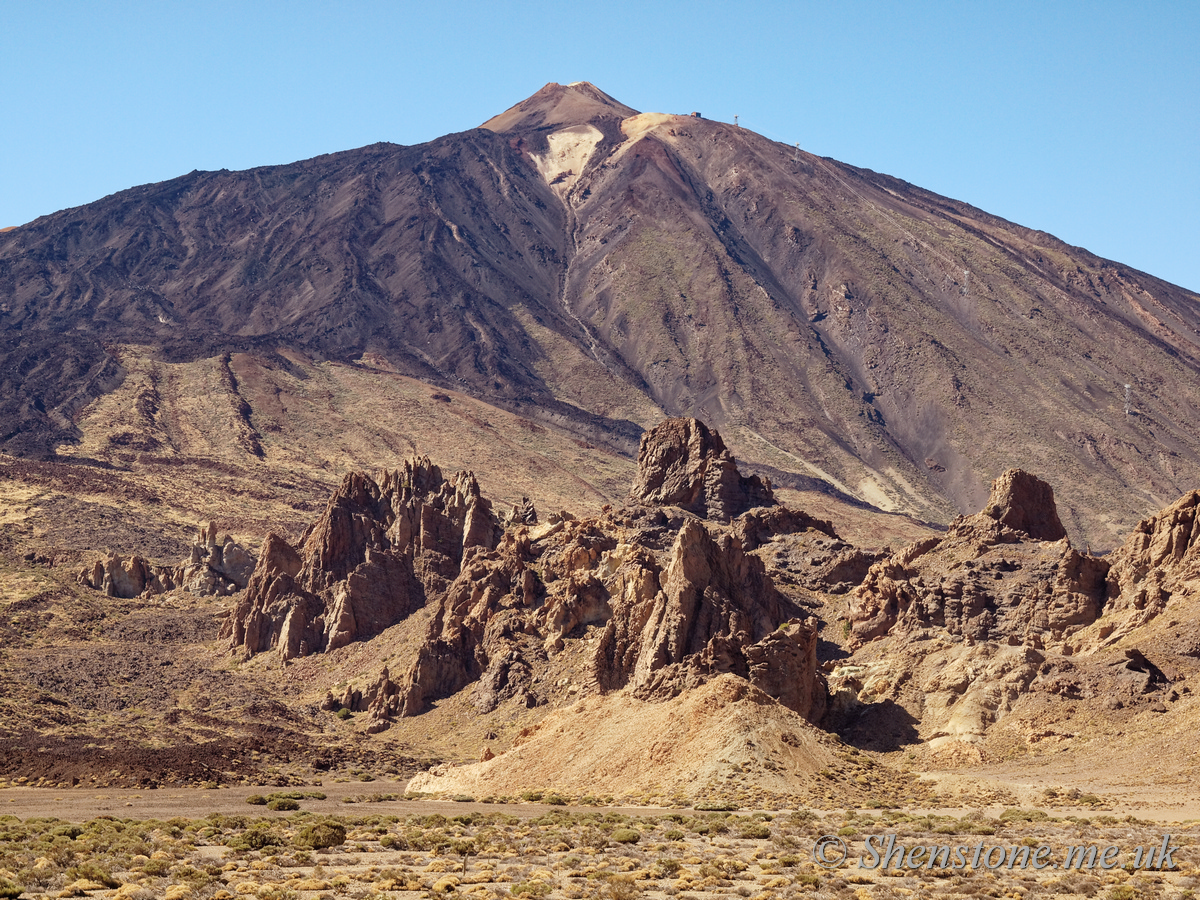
<point x="577" y="103"/>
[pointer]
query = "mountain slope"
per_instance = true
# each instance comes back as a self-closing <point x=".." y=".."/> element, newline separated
<point x="593" y="269"/>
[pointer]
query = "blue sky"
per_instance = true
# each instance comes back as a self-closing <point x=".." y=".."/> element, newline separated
<point x="1077" y="118"/>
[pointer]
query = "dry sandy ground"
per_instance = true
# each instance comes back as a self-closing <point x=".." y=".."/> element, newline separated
<point x="77" y="805"/>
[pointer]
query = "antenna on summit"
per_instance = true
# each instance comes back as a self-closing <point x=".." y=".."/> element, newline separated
<point x="735" y="121"/>
<point x="796" y="158"/>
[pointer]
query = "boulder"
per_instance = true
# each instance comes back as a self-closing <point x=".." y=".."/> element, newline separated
<point x="523" y="513"/>
<point x="128" y="577"/>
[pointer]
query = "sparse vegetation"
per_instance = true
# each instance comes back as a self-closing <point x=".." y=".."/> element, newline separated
<point x="573" y="853"/>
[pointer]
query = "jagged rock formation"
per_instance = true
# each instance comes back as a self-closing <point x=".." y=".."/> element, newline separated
<point x="523" y="513"/>
<point x="376" y="554"/>
<point x="679" y="603"/>
<point x="708" y="608"/>
<point x="1159" y="560"/>
<point x="380" y="701"/>
<point x="673" y="600"/>
<point x="1006" y="574"/>
<point x="127" y="578"/>
<point x="215" y="568"/>
<point x="682" y="463"/>
<point x="1002" y="619"/>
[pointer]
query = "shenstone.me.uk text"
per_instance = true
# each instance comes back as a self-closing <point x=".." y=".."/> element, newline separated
<point x="882" y="852"/>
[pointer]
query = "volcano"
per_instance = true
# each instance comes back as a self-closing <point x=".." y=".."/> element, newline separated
<point x="581" y="270"/>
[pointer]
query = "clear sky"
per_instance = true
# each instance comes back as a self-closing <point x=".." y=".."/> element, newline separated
<point x="1078" y="118"/>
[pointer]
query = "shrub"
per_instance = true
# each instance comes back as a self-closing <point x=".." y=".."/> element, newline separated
<point x="531" y="889"/>
<point x="344" y="713"/>
<point x="393" y="842"/>
<point x="10" y="889"/>
<point x="674" y="835"/>
<point x="256" y="800"/>
<point x="531" y="796"/>
<point x="555" y="800"/>
<point x="321" y="835"/>
<point x="755" y="831"/>
<point x="463" y="798"/>
<point x="254" y="839"/>
<point x="621" y="887"/>
<point x="93" y="872"/>
<point x="715" y="806"/>
<point x="280" y="804"/>
<point x="156" y="867"/>
<point x="626" y="836"/>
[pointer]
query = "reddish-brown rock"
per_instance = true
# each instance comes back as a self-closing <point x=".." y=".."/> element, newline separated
<point x="704" y="608"/>
<point x="683" y="463"/>
<point x="1159" y="560"/>
<point x="1025" y="503"/>
<point x="215" y="567"/>
<point x="999" y="575"/>
<point x="130" y="577"/>
<point x="700" y="615"/>
<point x="374" y="556"/>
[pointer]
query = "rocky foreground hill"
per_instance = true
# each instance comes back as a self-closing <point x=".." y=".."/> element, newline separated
<point x="703" y="639"/>
<point x="583" y="270"/>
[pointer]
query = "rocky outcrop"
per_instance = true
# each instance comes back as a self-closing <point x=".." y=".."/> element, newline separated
<point x="523" y="513"/>
<point x="682" y="463"/>
<point x="1025" y="503"/>
<point x="376" y="555"/>
<point x="1159" y="560"/>
<point x="668" y="625"/>
<point x="381" y="701"/>
<point x="128" y="577"/>
<point x="675" y="600"/>
<point x="480" y="626"/>
<point x="215" y="568"/>
<point x="669" y="600"/>
<point x="709" y="610"/>
<point x="784" y="665"/>
<point x="999" y="575"/>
